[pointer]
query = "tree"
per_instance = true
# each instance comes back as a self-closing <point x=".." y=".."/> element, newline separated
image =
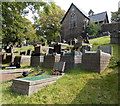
<point x="48" y="25"/>
<point x="115" y="16"/>
<point x="13" y="22"/>
<point x="93" y="28"/>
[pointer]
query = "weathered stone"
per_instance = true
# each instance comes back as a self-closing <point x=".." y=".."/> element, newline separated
<point x="115" y="38"/>
<point x="95" y="60"/>
<point x="28" y="87"/>
<point x="36" y="61"/>
<point x="21" y="59"/>
<point x="57" y="49"/>
<point x="59" y="66"/>
<point x="29" y="52"/>
<point x="49" y="60"/>
<point x="38" y="49"/>
<point x="23" y="53"/>
<point x="51" y="51"/>
<point x="106" y="49"/>
<point x="71" y="61"/>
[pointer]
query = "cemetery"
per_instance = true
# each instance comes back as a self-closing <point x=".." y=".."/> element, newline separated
<point x="30" y="85"/>
<point x="63" y="62"/>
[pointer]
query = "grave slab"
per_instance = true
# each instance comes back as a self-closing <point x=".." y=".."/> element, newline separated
<point x="30" y="85"/>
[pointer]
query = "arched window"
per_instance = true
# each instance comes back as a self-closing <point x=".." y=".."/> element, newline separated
<point x="73" y="20"/>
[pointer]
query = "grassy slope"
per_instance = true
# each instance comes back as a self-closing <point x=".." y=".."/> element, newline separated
<point x="78" y="86"/>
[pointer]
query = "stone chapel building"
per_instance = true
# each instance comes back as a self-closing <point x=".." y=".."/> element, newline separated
<point x="75" y="22"/>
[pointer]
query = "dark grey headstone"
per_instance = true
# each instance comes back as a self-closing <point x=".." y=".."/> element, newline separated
<point x="17" y="59"/>
<point x="57" y="49"/>
<point x="59" y="66"/>
<point x="29" y="52"/>
<point x="51" y="51"/>
<point x="38" y="49"/>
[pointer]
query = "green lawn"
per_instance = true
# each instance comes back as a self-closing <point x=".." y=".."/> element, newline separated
<point x="77" y="86"/>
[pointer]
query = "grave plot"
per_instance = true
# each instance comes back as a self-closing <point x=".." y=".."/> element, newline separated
<point x="72" y="61"/>
<point x="96" y="61"/>
<point x="30" y="85"/>
<point x="115" y="37"/>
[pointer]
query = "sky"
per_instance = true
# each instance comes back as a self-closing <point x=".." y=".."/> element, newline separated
<point x="96" y="5"/>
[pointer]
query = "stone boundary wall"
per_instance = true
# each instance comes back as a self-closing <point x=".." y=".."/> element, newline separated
<point x="71" y="61"/>
<point x="111" y="27"/>
<point x="115" y="38"/>
<point x="95" y="61"/>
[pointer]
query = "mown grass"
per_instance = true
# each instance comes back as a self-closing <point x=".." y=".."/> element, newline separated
<point x="77" y="86"/>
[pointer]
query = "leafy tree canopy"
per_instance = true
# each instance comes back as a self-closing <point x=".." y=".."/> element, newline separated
<point x="115" y="16"/>
<point x="93" y="28"/>
<point x="14" y="26"/>
<point x="48" y="25"/>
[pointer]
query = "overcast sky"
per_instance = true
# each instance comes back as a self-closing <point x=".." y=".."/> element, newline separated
<point x="96" y="5"/>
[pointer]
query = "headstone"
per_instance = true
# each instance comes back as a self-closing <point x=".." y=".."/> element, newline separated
<point x="51" y="51"/>
<point x="85" y="47"/>
<point x="38" y="49"/>
<point x="59" y="66"/>
<point x="49" y="60"/>
<point x="77" y="46"/>
<point x="71" y="61"/>
<point x="23" y="53"/>
<point x="73" y="42"/>
<point x="57" y="49"/>
<point x="17" y="60"/>
<point x="29" y="52"/>
<point x="106" y="49"/>
<point x="36" y="61"/>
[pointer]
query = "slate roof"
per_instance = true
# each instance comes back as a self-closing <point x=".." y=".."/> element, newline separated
<point x="99" y="17"/>
<point x="80" y="10"/>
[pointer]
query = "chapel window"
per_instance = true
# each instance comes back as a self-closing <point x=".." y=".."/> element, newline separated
<point x="73" y="20"/>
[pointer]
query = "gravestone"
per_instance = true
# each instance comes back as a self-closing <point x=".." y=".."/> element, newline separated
<point x="71" y="61"/>
<point x="17" y="62"/>
<point x="29" y="52"/>
<point x="38" y="50"/>
<point x="57" y="49"/>
<point x="36" y="61"/>
<point x="85" y="47"/>
<point x="23" y="53"/>
<point x="21" y="59"/>
<point x="59" y="66"/>
<point x="51" y="51"/>
<point x="49" y="60"/>
<point x="77" y="46"/>
<point x="106" y="49"/>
